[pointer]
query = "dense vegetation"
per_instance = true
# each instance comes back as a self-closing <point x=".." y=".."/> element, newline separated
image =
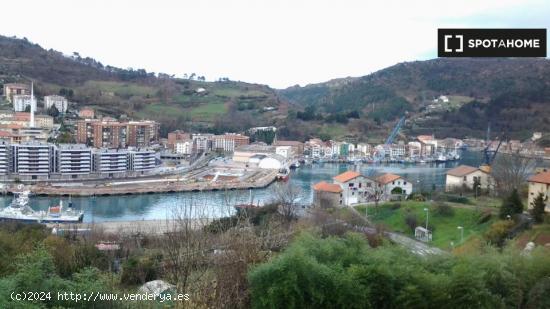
<point x="344" y="272"/>
<point x="502" y="91"/>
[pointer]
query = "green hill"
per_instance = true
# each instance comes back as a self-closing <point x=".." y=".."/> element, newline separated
<point x="177" y="103"/>
<point x="505" y="92"/>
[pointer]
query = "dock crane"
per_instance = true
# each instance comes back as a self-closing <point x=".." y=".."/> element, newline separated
<point x="382" y="152"/>
<point x="488" y="153"/>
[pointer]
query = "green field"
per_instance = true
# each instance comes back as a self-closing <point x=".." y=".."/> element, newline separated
<point x="446" y="230"/>
<point x="119" y="88"/>
<point x="208" y="111"/>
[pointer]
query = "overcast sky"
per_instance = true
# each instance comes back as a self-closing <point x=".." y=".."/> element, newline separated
<point x="277" y="42"/>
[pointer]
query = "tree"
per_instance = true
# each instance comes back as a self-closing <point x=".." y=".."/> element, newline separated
<point x="476" y="186"/>
<point x="511" y="205"/>
<point x="538" y="205"/>
<point x="52" y="111"/>
<point x="286" y="196"/>
<point x="510" y="171"/>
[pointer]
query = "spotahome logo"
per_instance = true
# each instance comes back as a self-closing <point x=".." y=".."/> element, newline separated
<point x="491" y="42"/>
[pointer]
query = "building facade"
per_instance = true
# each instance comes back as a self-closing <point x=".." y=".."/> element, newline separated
<point x="109" y="133"/>
<point x="356" y="188"/>
<point x="74" y="159"/>
<point x="21" y="102"/>
<point x="464" y="177"/>
<point x="141" y="160"/>
<point x="60" y="103"/>
<point x="13" y="89"/>
<point x="34" y="159"/>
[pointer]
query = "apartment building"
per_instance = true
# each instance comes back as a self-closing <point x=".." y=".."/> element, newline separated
<point x="5" y="166"/>
<point x="60" y="103"/>
<point x="229" y="141"/>
<point x="110" y="160"/>
<point x="202" y="142"/>
<point x="109" y="133"/>
<point x="73" y="159"/>
<point x="22" y="101"/>
<point x="141" y="160"/>
<point x="34" y="159"/>
<point x="13" y="89"/>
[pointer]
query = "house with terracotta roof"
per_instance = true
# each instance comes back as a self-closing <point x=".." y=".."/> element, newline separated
<point x="327" y="194"/>
<point x="539" y="183"/>
<point x="464" y="176"/>
<point x="356" y="188"/>
<point x="392" y="184"/>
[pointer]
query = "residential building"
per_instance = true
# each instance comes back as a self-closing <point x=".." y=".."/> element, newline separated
<point x="285" y="151"/>
<point x="327" y="195"/>
<point x="229" y="141"/>
<point x="60" y="103"/>
<point x="398" y="150"/>
<point x="184" y="146"/>
<point x="392" y="184"/>
<point x="33" y="159"/>
<point x="356" y="188"/>
<point x="110" y="133"/>
<point x="202" y="142"/>
<point x="86" y="113"/>
<point x="415" y="149"/>
<point x="314" y="147"/>
<point x="5" y="164"/>
<point x="464" y="176"/>
<point x="175" y="136"/>
<point x="22" y="101"/>
<point x="13" y="89"/>
<point x="141" y="160"/>
<point x="297" y="147"/>
<point x="539" y="183"/>
<point x="142" y="133"/>
<point x="74" y="159"/>
<point x="110" y="160"/>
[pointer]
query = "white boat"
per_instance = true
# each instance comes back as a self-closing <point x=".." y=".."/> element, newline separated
<point x="441" y="158"/>
<point x="20" y="211"/>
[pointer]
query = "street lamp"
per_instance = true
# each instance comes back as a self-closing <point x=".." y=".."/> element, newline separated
<point x="461" y="228"/>
<point x="427" y="215"/>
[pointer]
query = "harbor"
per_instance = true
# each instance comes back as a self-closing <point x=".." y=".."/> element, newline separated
<point x="219" y="203"/>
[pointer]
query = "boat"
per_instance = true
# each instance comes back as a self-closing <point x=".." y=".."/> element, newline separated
<point x="283" y="174"/>
<point x="441" y="158"/>
<point x="20" y="211"/>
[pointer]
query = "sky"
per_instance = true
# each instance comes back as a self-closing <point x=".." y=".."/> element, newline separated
<point x="280" y="43"/>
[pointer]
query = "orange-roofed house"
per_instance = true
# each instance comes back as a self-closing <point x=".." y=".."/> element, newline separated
<point x="392" y="184"/>
<point x="539" y="183"/>
<point x="356" y="188"/>
<point x="327" y="194"/>
<point x="464" y="176"/>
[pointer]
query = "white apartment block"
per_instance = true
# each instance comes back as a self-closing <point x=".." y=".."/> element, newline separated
<point x="4" y="158"/>
<point x="20" y="102"/>
<point x="141" y="160"/>
<point x="184" y="147"/>
<point x="58" y="101"/>
<point x="110" y="160"/>
<point x="74" y="159"/>
<point x="35" y="159"/>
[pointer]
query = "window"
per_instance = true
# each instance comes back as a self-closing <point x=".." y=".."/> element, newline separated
<point x="369" y="184"/>
<point x="360" y="184"/>
<point x="405" y="183"/>
<point x="393" y="182"/>
<point x="351" y="184"/>
<point x="465" y="178"/>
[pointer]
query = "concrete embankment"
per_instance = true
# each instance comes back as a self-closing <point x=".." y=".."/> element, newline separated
<point x="259" y="179"/>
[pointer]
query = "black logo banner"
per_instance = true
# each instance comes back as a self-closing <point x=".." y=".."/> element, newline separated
<point x="491" y="42"/>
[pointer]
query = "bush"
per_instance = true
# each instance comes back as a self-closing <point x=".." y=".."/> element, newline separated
<point x="138" y="270"/>
<point x="485" y="216"/>
<point x="457" y="199"/>
<point x="395" y="206"/>
<point x="411" y="221"/>
<point x="498" y="232"/>
<point x="444" y="209"/>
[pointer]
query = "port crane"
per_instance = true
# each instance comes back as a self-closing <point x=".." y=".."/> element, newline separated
<point x="488" y="153"/>
<point x="386" y="148"/>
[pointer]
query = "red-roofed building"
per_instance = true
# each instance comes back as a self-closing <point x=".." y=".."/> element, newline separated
<point x="327" y="195"/>
<point x="539" y="183"/>
<point x="464" y="176"/>
<point x="392" y="184"/>
<point x="356" y="188"/>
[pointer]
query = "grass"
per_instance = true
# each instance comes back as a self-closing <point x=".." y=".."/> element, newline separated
<point x="208" y="111"/>
<point x="446" y="230"/>
<point x="120" y="88"/>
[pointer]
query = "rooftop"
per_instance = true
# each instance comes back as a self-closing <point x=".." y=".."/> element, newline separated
<point x="541" y="178"/>
<point x="327" y="187"/>
<point x="346" y="176"/>
<point x="462" y="170"/>
<point x="387" y="178"/>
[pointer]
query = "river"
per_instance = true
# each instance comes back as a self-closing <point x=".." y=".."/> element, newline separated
<point x="216" y="204"/>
